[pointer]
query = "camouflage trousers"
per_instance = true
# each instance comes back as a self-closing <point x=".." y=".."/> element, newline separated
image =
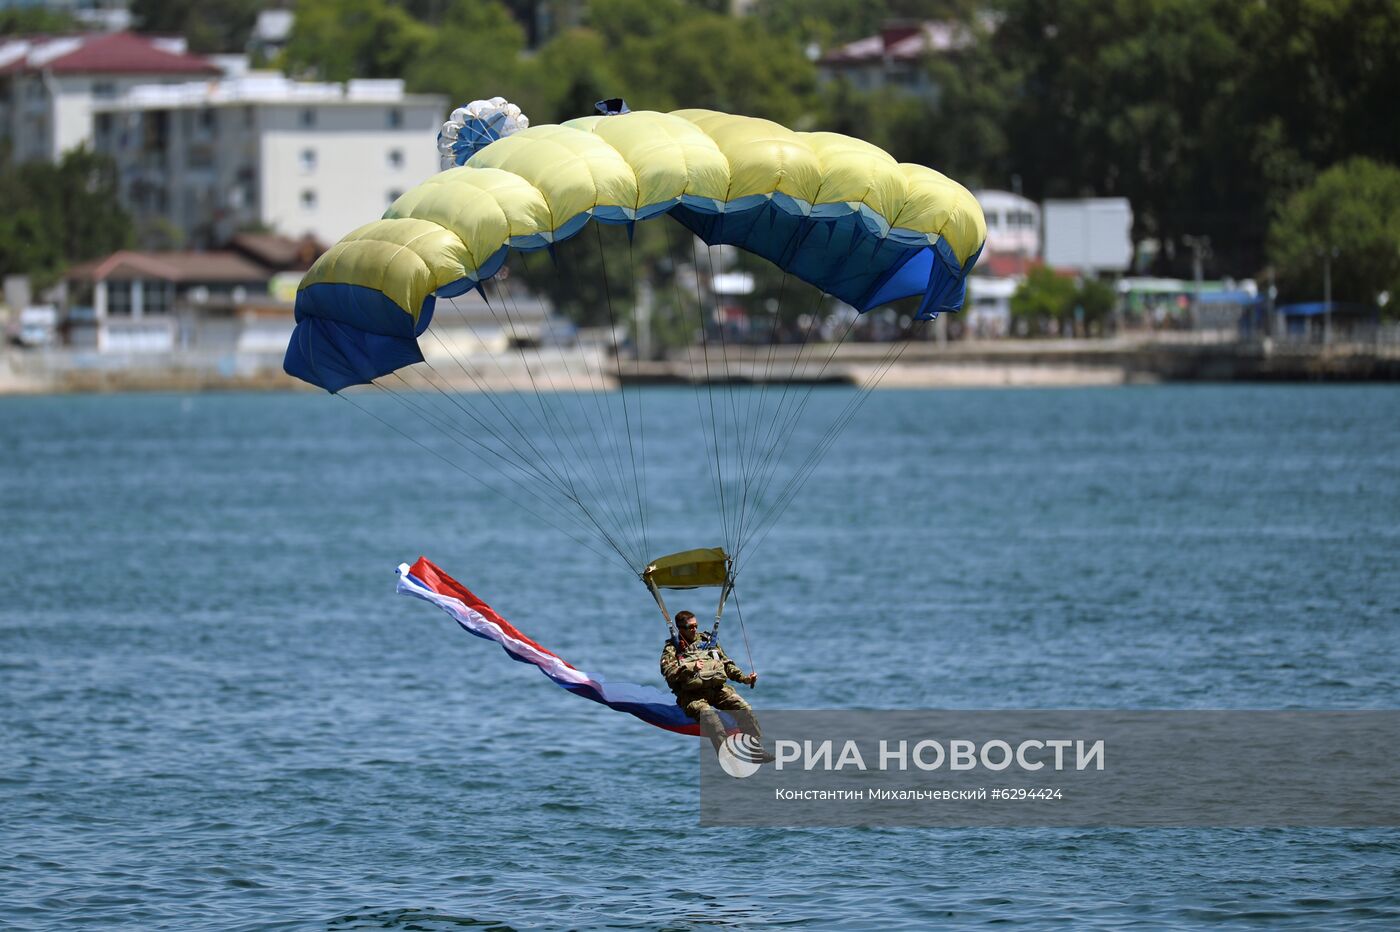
<point x="701" y="706"/>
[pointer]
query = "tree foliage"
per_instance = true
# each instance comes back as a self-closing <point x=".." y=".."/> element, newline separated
<point x="21" y="20"/>
<point x="1206" y="114"/>
<point x="57" y="214"/>
<point x="336" y="40"/>
<point x="1352" y="214"/>
<point x="210" y="25"/>
<point x="1050" y="303"/>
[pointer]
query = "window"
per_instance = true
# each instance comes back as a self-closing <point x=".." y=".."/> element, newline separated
<point x="104" y="90"/>
<point x="308" y="161"/>
<point x="396" y="159"/>
<point x="308" y="117"/>
<point x="119" y="299"/>
<point x="395" y="117"/>
<point x="155" y="297"/>
<point x="308" y="199"/>
<point x="992" y="220"/>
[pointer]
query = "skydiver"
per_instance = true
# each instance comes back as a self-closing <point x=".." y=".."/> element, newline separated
<point x="698" y="672"/>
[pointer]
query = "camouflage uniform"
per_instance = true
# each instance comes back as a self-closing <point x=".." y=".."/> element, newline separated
<point x="698" y="673"/>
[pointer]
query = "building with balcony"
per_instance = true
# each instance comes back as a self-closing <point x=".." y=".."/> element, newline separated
<point x="50" y="85"/>
<point x="207" y="160"/>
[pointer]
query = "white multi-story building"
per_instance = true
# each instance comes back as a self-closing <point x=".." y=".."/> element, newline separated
<point x="49" y="85"/>
<point x="1013" y="223"/>
<point x="1013" y="246"/>
<point x="263" y="151"/>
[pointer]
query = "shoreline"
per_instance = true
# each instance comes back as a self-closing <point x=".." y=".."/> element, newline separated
<point x="967" y="364"/>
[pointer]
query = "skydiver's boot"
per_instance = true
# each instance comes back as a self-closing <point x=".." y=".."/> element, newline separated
<point x="748" y="724"/>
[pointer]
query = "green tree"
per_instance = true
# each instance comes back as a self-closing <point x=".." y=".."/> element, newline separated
<point x="26" y="19"/>
<point x="1096" y="299"/>
<point x="27" y="246"/>
<point x="1352" y="214"/>
<point x="56" y="214"/>
<point x="829" y="22"/>
<point x="474" y="52"/>
<point x="570" y="74"/>
<point x="721" y="63"/>
<point x="210" y="25"/>
<point x="336" y="40"/>
<point x="1045" y="297"/>
<point x="664" y="55"/>
<point x="1206" y="114"/>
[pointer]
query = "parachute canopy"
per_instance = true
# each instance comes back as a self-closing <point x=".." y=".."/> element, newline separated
<point x="836" y="212"/>
<point x="689" y="569"/>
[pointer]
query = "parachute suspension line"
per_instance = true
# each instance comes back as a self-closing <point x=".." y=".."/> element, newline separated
<point x="735" y="439"/>
<point x="891" y="357"/>
<point x="427" y="411"/>
<point x="565" y="480"/>
<point x="768" y="457"/>
<point x="791" y="420"/>
<point x="522" y="462"/>
<point x="637" y="390"/>
<point x="710" y="393"/>
<point x="522" y="465"/>
<point x="694" y="384"/>
<point x="606" y="421"/>
<point x="774" y="437"/>
<point x="755" y="417"/>
<point x="756" y="451"/>
<point x="458" y="466"/>
<point x="739" y="611"/>
<point x="553" y="413"/>
<point x="598" y="428"/>
<point x="622" y="392"/>
<point x="710" y="390"/>
<point x="559" y="482"/>
<point x="563" y="484"/>
<point x="568" y="477"/>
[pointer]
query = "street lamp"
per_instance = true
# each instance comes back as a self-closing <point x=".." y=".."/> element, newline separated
<point x="1200" y="248"/>
<point x="1328" y="253"/>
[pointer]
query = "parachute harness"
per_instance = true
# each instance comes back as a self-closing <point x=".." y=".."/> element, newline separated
<point x="692" y="569"/>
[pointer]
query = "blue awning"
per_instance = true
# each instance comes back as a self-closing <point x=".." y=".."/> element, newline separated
<point x="1317" y="308"/>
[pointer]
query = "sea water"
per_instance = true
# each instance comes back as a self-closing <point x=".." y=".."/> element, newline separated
<point x="218" y="714"/>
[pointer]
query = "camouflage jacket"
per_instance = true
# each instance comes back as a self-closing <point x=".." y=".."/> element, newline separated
<point x="697" y="666"/>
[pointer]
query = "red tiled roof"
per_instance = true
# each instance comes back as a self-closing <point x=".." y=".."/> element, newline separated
<point x="901" y="42"/>
<point x="178" y="267"/>
<point x="109" y="53"/>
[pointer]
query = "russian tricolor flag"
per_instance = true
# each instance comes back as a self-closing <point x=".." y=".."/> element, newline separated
<point x="425" y="581"/>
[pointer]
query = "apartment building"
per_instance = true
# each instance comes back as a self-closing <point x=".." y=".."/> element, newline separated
<point x="261" y="151"/>
<point x="50" y="85"/>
